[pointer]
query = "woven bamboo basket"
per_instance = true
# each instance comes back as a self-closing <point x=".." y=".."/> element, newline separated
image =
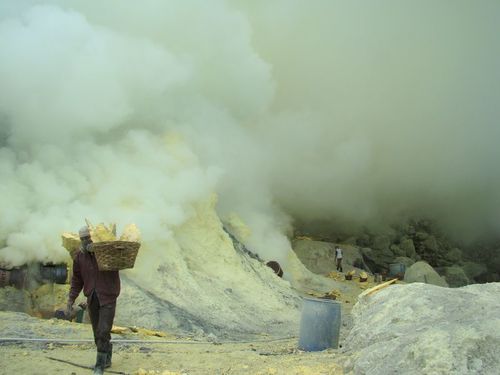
<point x="115" y="255"/>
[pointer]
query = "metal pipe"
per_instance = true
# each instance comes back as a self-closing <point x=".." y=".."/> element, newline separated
<point x="129" y="341"/>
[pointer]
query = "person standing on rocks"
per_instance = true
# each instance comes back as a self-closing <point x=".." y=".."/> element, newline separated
<point x="338" y="258"/>
<point x="101" y="288"/>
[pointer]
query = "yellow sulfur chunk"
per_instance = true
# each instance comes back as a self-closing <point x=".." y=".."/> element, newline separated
<point x="101" y="233"/>
<point x="131" y="233"/>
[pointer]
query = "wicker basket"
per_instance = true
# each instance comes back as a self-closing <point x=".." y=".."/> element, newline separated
<point x="115" y="255"/>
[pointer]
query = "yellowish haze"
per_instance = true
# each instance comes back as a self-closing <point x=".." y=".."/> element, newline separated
<point x="363" y="112"/>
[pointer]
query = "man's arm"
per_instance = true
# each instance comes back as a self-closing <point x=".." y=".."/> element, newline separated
<point x="76" y="282"/>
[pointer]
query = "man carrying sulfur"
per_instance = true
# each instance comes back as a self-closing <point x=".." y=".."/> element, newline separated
<point x="101" y="288"/>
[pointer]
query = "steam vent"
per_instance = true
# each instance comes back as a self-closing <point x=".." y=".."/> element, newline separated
<point x="249" y="187"/>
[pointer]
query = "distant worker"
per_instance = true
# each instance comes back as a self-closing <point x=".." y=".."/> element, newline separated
<point x="101" y="288"/>
<point x="338" y="258"/>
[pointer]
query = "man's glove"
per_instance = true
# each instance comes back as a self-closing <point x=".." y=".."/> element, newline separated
<point x="69" y="309"/>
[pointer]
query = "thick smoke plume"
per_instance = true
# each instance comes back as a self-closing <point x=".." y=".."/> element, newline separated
<point x="133" y="111"/>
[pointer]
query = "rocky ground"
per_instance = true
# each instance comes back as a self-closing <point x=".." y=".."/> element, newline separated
<point x="403" y="329"/>
<point x="172" y="354"/>
<point x="275" y="357"/>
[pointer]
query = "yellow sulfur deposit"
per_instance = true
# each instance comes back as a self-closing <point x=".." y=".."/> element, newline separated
<point x="101" y="232"/>
<point x="148" y="332"/>
<point x="336" y="276"/>
<point x="48" y="298"/>
<point x="131" y="233"/>
<point x="141" y="371"/>
<point x="71" y="242"/>
<point x="333" y="294"/>
<point x="119" y="330"/>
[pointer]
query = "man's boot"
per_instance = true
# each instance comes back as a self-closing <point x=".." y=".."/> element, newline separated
<point x="109" y="355"/>
<point x="100" y="362"/>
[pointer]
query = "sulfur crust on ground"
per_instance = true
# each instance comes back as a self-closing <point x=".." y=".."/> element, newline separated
<point x="183" y="355"/>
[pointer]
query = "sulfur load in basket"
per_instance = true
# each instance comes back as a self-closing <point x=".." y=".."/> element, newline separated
<point x="71" y="242"/>
<point x="112" y="253"/>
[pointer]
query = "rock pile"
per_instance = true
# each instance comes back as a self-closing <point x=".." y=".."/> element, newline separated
<point x="425" y="329"/>
<point x="421" y="240"/>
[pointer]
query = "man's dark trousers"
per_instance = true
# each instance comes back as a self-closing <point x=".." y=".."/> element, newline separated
<point x="102" y="321"/>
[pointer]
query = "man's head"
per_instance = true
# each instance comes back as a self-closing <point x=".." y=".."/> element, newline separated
<point x="85" y="239"/>
<point x="84" y="232"/>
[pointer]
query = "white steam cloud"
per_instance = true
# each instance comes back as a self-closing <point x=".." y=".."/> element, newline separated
<point x="133" y="111"/>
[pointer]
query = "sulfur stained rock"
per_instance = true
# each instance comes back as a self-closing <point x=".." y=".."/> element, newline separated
<point x="48" y="298"/>
<point x="13" y="299"/>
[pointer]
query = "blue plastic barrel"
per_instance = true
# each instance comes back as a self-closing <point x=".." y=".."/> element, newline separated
<point x="57" y="273"/>
<point x="397" y="270"/>
<point x="319" y="325"/>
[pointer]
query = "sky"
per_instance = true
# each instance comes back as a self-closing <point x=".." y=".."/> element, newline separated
<point x="362" y="113"/>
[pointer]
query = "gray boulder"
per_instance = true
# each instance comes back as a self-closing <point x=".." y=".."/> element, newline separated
<point x="431" y="244"/>
<point x="408" y="247"/>
<point x="473" y="270"/>
<point x="454" y="256"/>
<point x="422" y="272"/>
<point x="397" y="251"/>
<point x="494" y="264"/>
<point x="408" y="262"/>
<point x="419" y="329"/>
<point x="378" y="259"/>
<point x="455" y="276"/>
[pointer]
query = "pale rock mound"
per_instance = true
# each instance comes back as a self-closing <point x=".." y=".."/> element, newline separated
<point x="196" y="281"/>
<point x="425" y="329"/>
<point x="422" y="272"/>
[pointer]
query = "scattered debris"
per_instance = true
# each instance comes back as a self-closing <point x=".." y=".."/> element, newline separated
<point x="377" y="288"/>
<point x="333" y="294"/>
<point x="141" y="331"/>
<point x="363" y="277"/>
<point x="336" y="276"/>
<point x="120" y="330"/>
<point x="349" y="275"/>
